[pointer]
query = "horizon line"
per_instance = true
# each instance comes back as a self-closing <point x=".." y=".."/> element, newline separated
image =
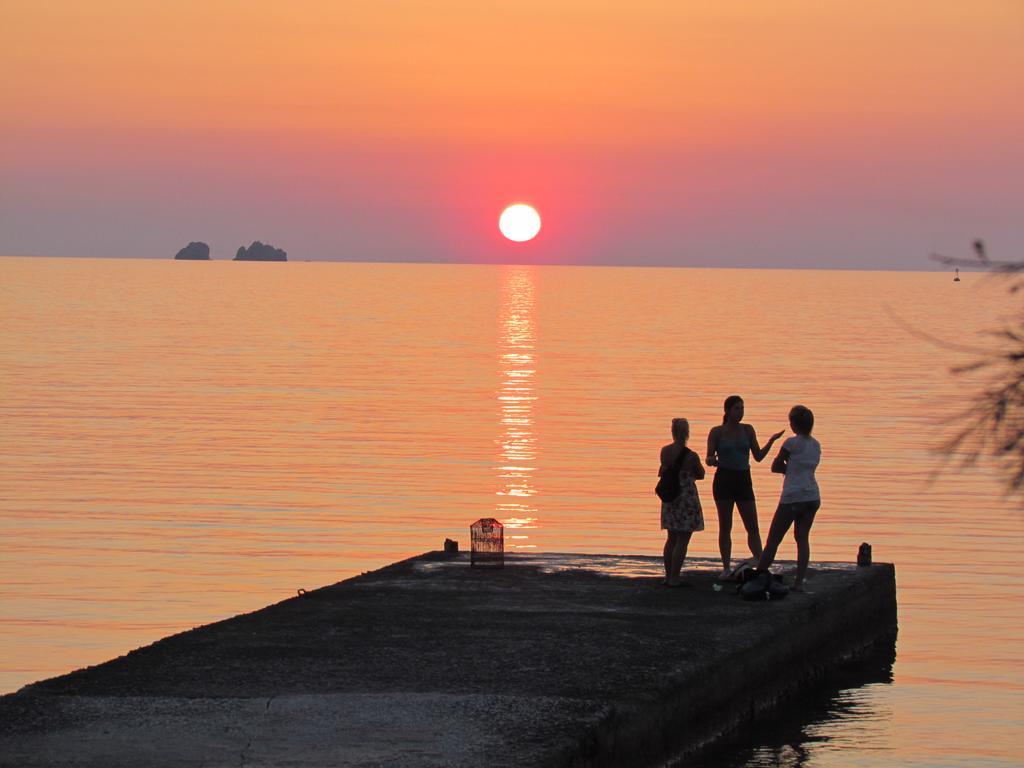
<point x="823" y="268"/>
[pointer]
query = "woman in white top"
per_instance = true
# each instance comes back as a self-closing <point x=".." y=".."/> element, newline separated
<point x="800" y="500"/>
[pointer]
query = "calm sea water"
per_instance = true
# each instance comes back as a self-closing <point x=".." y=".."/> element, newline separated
<point x="181" y="442"/>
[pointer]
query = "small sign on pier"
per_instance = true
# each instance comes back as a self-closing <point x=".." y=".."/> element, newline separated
<point x="487" y="543"/>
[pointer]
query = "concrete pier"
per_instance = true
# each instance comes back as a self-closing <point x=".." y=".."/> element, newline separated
<point x="554" y="660"/>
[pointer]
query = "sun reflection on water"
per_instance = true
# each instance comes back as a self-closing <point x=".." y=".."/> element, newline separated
<point x="517" y="449"/>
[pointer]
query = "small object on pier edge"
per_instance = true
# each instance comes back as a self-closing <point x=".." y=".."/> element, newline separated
<point x="451" y="547"/>
<point x="864" y="554"/>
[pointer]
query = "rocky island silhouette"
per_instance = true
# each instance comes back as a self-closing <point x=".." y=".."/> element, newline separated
<point x="260" y="252"/>
<point x="195" y="251"/>
<point x="199" y="251"/>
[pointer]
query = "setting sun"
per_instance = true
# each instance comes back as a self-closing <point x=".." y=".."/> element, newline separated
<point x="519" y="222"/>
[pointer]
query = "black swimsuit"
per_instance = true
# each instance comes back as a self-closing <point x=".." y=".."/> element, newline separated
<point x="732" y="478"/>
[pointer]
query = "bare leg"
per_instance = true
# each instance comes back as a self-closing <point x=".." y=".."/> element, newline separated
<point x="802" y="534"/>
<point x="780" y="524"/>
<point x="679" y="555"/>
<point x="748" y="514"/>
<point x="725" y="531"/>
<point x="670" y="545"/>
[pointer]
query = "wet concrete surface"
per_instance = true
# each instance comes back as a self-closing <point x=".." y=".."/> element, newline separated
<point x="551" y="660"/>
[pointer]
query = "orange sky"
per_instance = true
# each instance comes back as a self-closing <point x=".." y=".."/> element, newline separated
<point x="644" y="127"/>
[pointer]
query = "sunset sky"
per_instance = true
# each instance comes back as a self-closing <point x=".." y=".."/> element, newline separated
<point x="783" y="133"/>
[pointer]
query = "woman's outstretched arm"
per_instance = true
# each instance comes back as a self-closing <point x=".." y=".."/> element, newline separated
<point x="757" y="451"/>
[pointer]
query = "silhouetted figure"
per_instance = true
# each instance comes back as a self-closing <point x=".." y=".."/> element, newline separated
<point x="682" y="515"/>
<point x="730" y="447"/>
<point x="797" y="460"/>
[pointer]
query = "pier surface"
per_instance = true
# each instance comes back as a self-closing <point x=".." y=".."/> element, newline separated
<point x="553" y="660"/>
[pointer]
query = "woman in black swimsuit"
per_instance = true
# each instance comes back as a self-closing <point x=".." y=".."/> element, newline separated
<point x="730" y="447"/>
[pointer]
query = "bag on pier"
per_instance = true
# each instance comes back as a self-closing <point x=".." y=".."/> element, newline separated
<point x="764" y="586"/>
<point x="745" y="571"/>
